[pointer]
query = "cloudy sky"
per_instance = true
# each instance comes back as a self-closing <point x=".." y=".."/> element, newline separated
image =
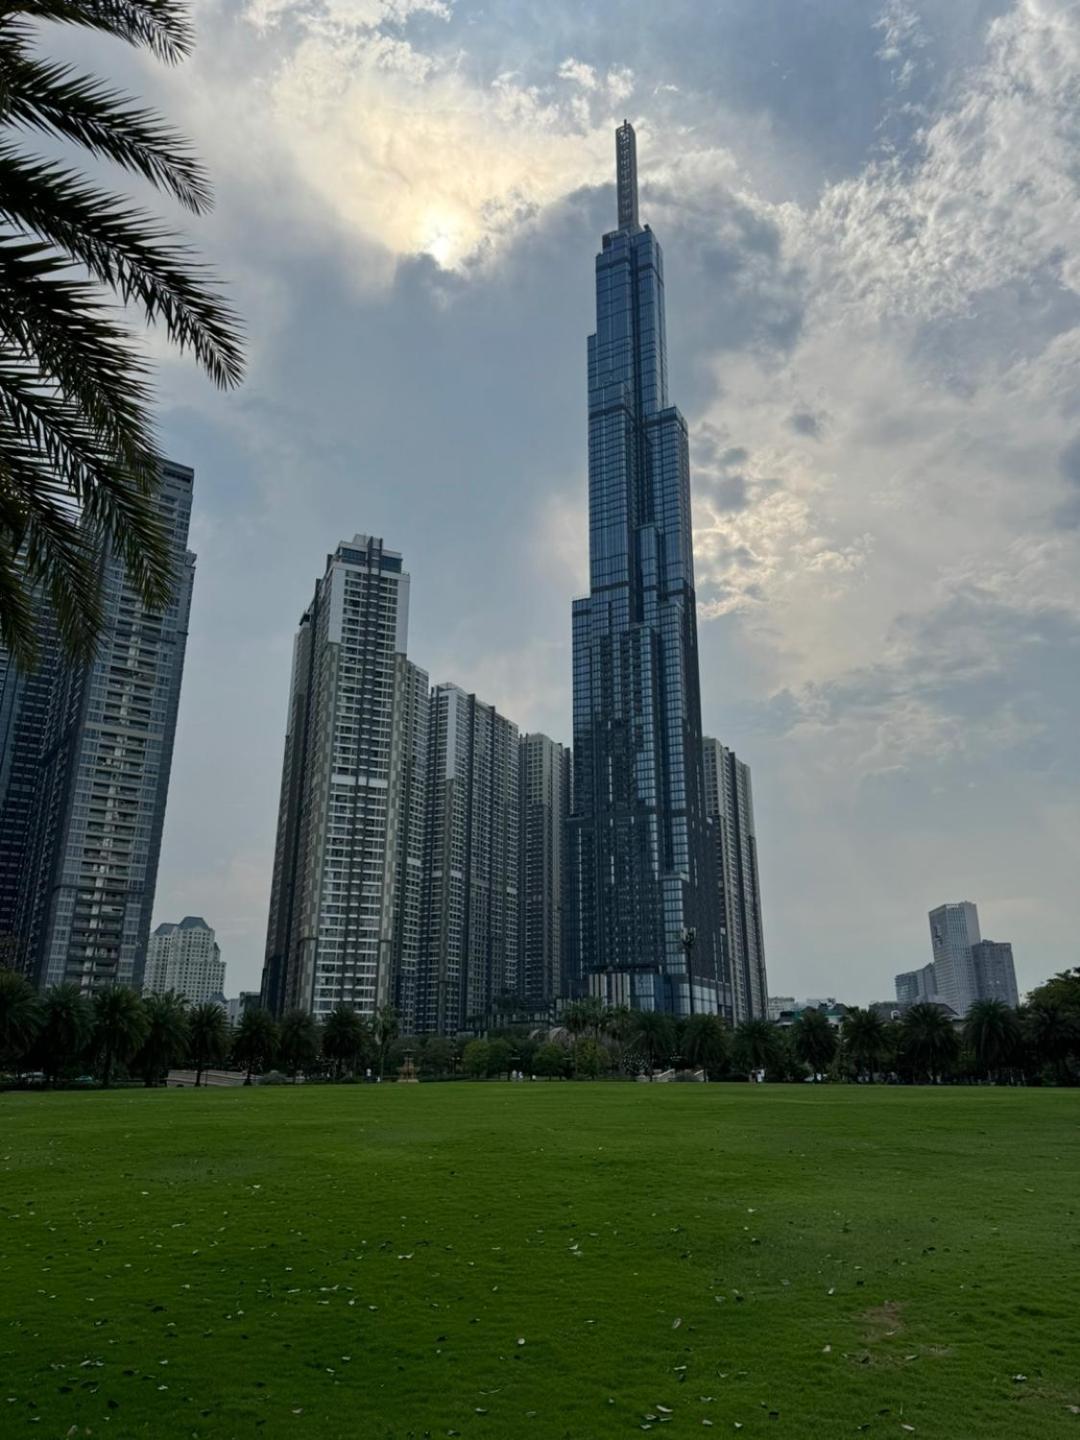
<point x="870" y="211"/>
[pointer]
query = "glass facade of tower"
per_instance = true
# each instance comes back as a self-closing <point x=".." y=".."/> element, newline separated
<point x="729" y="804"/>
<point x="642" y="910"/>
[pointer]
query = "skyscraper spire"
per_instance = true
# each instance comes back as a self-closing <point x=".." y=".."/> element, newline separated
<point x="626" y="176"/>
<point x="642" y="893"/>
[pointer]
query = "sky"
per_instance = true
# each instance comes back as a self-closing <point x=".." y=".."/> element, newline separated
<point x="870" y="216"/>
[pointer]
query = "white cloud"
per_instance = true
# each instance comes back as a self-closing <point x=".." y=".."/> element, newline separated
<point x="344" y="14"/>
<point x="386" y="138"/>
<point x="580" y="73"/>
<point x="929" y="468"/>
<point x="902" y="38"/>
<point x="619" y="82"/>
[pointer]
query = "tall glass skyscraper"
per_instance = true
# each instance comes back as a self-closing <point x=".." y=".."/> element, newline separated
<point x="642" y="927"/>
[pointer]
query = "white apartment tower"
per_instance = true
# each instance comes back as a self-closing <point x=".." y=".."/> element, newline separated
<point x="954" y="931"/>
<point x="345" y="908"/>
<point x="186" y="959"/>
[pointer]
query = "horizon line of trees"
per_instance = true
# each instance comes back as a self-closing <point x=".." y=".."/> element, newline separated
<point x="63" y="1035"/>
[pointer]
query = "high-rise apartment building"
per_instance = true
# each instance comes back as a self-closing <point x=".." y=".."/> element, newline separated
<point x="954" y="931"/>
<point x="545" y="779"/>
<point x="995" y="972"/>
<point x="339" y="917"/>
<point x="407" y="837"/>
<point x="24" y="715"/>
<point x="914" y="987"/>
<point x="186" y="959"/>
<point x="642" y="925"/>
<point x="729" y="804"/>
<point x="87" y="753"/>
<point x="471" y="954"/>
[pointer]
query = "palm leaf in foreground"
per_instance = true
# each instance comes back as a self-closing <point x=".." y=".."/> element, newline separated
<point x="78" y="459"/>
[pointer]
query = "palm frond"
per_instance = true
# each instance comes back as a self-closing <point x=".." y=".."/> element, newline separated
<point x="48" y="552"/>
<point x="66" y="493"/>
<point x="63" y="327"/>
<point x="79" y="473"/>
<point x="18" y="618"/>
<point x="161" y="25"/>
<point x="59" y="101"/>
<point x="126" y="249"/>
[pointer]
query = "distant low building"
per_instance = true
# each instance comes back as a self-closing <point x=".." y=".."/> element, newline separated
<point x="784" y="1011"/>
<point x="186" y="959"/>
<point x="897" y="1009"/>
<point x="916" y="985"/>
<point x="778" y="1004"/>
<point x="888" y="1010"/>
<point x="238" y="1006"/>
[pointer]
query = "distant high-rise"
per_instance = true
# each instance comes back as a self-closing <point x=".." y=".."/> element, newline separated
<point x="729" y="803"/>
<point x="86" y="757"/>
<point x="544" y="807"/>
<point x="472" y="935"/>
<point x="643" y="926"/>
<point x="954" y="930"/>
<point x="186" y="959"/>
<point x="914" y="987"/>
<point x="343" y="905"/>
<point x="995" y="972"/>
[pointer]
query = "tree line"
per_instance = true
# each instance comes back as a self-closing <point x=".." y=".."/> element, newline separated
<point x="63" y="1036"/>
<point x="1038" y="1042"/>
<point x="118" y="1034"/>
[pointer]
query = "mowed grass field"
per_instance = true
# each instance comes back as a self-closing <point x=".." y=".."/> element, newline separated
<point x="549" y="1260"/>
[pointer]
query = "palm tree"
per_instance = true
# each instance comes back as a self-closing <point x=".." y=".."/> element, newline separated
<point x="120" y="1026"/>
<point x="595" y="1014"/>
<point x="865" y="1039"/>
<point x="576" y="1018"/>
<point x="208" y="1037"/>
<point x="436" y="1055"/>
<point x="255" y="1041"/>
<point x="1053" y="1034"/>
<point x="619" y="1028"/>
<point x="298" y="1042"/>
<point x="166" y="1039"/>
<point x="20" y="1017"/>
<point x="384" y="1030"/>
<point x="757" y="1046"/>
<point x="68" y="1024"/>
<point x="814" y="1040"/>
<point x="76" y="442"/>
<point x="928" y="1041"/>
<point x="344" y="1038"/>
<point x="705" y="1044"/>
<point x="992" y="1030"/>
<point x="654" y="1037"/>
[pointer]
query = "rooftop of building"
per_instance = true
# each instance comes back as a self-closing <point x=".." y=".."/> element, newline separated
<point x="189" y="922"/>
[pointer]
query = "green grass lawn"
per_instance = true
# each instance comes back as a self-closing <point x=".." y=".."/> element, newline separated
<point x="548" y="1260"/>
